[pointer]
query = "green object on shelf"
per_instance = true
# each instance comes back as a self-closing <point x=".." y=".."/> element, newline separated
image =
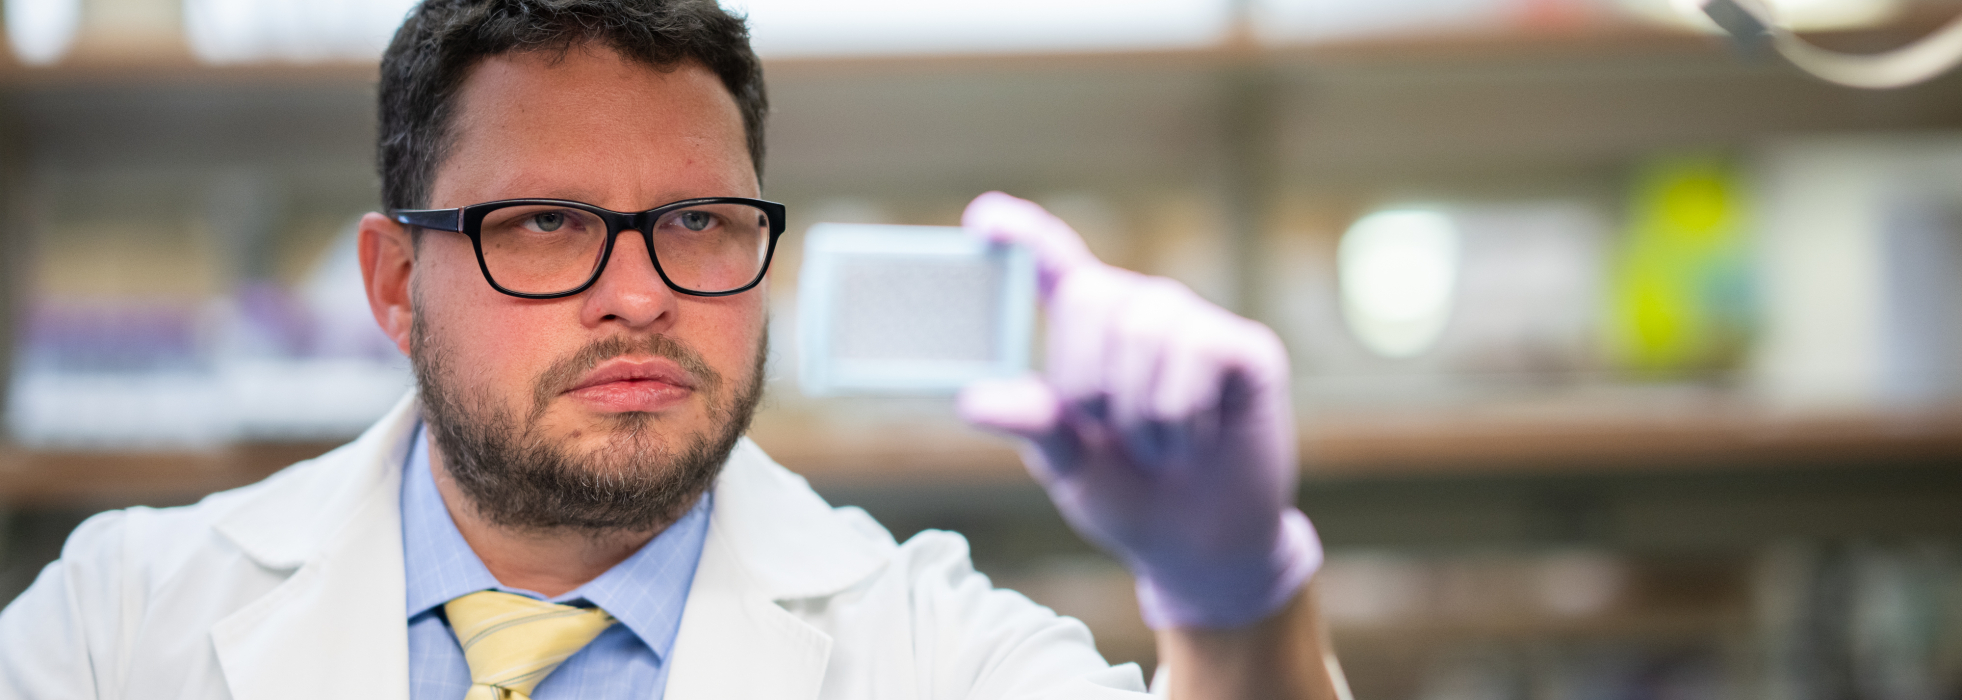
<point x="1682" y="298"/>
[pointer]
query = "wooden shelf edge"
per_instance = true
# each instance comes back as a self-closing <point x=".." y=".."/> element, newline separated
<point x="1677" y="441"/>
<point x="952" y="456"/>
<point x="173" y="61"/>
<point x="161" y="477"/>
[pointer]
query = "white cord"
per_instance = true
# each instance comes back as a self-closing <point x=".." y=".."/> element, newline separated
<point x="1751" y="20"/>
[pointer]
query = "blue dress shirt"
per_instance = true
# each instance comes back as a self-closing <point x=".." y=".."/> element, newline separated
<point x="645" y="592"/>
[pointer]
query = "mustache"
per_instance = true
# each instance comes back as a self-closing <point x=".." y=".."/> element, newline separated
<point x="564" y="374"/>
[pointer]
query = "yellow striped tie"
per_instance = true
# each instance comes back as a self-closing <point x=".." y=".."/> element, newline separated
<point x="512" y="642"/>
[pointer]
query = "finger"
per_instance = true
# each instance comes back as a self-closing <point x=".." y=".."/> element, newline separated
<point x="1187" y="393"/>
<point x="1144" y="328"/>
<point x="1239" y="391"/>
<point x="1256" y="361"/>
<point x="1081" y="318"/>
<point x="1191" y="377"/>
<point x="1025" y="408"/>
<point x="1058" y="250"/>
<point x="1209" y="370"/>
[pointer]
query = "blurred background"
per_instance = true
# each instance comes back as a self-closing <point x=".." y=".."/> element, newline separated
<point x="1628" y="360"/>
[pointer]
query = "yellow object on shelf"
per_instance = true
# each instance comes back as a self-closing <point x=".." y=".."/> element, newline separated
<point x="1682" y="296"/>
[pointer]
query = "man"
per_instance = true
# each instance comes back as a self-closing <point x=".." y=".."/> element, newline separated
<point x="574" y="258"/>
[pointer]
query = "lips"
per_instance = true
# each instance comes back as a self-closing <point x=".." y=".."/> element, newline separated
<point x="622" y="384"/>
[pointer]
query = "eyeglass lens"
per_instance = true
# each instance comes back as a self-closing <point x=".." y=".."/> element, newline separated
<point x="547" y="249"/>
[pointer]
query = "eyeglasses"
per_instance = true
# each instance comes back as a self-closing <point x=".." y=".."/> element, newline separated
<point x="551" y="248"/>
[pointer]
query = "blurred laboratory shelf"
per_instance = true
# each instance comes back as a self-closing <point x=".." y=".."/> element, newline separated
<point x="168" y="68"/>
<point x="167" y="62"/>
<point x="909" y="455"/>
<point x="96" y="478"/>
<point x="1351" y="112"/>
<point x="1487" y="440"/>
<point x="1491" y="439"/>
<point x="1647" y="627"/>
<point x="1572" y="30"/>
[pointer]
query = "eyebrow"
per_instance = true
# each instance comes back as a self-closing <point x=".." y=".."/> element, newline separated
<point x="591" y="197"/>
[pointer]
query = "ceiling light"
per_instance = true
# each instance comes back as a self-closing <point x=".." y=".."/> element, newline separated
<point x="1399" y="274"/>
<point x="40" y="31"/>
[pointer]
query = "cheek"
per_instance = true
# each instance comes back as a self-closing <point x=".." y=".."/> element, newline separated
<point x="493" y="343"/>
<point x="726" y="332"/>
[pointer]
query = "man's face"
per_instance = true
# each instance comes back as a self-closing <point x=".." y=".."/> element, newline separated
<point x="628" y="379"/>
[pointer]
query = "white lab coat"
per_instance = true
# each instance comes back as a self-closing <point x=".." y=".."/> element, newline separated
<point x="291" y="589"/>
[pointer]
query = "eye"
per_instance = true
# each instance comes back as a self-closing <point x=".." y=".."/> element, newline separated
<point x="548" y="221"/>
<point x="696" y="220"/>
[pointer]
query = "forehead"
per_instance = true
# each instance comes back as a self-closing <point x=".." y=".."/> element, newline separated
<point x="590" y="124"/>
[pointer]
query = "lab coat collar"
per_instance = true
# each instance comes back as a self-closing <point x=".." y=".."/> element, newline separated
<point x="336" y="625"/>
<point x="770" y="539"/>
<point x="295" y="514"/>
<point x="788" y="540"/>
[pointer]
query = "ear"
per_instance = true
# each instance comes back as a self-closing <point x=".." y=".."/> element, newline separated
<point x="387" y="259"/>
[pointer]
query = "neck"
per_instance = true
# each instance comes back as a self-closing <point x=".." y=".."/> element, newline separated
<point x="549" y="562"/>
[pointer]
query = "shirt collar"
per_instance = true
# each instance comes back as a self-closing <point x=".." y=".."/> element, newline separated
<point x="645" y="592"/>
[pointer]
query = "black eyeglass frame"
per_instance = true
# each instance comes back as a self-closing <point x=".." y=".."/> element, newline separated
<point x="469" y="221"/>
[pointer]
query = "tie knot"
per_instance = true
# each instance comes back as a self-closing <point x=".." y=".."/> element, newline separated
<point x="512" y="642"/>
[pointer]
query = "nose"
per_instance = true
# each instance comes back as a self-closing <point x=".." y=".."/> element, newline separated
<point x="629" y="291"/>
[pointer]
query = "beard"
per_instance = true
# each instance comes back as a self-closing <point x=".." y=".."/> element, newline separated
<point x="638" y="480"/>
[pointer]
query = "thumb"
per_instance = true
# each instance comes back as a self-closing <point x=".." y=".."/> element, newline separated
<point x="1058" y="249"/>
<point x="1026" y="408"/>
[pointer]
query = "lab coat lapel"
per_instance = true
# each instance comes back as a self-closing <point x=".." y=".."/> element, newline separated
<point x="770" y="539"/>
<point x="337" y="627"/>
<point x="735" y="642"/>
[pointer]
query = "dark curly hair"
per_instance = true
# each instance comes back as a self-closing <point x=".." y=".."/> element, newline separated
<point x="443" y="39"/>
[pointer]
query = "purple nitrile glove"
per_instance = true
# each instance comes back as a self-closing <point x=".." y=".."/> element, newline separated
<point x="1162" y="429"/>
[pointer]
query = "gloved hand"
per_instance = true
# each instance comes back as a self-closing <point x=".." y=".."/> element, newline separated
<point x="1162" y="429"/>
